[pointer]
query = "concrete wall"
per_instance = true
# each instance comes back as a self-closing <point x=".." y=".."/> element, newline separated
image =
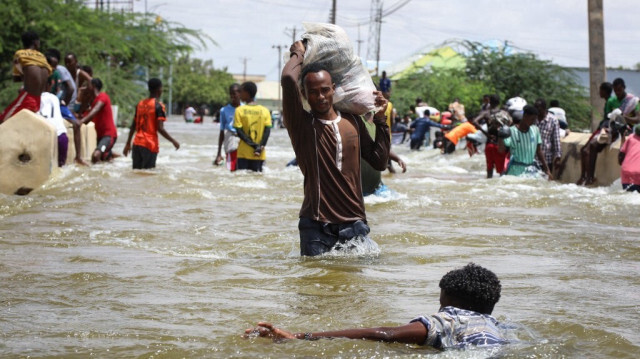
<point x="607" y="167"/>
<point x="88" y="143"/>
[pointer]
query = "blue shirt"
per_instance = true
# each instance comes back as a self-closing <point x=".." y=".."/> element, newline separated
<point x="458" y="328"/>
<point x="422" y="126"/>
<point x="227" y="114"/>
<point x="385" y="84"/>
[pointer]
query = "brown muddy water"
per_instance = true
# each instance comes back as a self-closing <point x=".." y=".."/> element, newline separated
<point x="107" y="262"/>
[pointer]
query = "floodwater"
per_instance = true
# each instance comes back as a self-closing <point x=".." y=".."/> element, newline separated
<point x="177" y="262"/>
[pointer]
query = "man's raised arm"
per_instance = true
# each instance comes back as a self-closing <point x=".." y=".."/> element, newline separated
<point x="291" y="103"/>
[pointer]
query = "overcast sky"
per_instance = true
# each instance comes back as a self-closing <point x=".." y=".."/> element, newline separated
<point x="553" y="29"/>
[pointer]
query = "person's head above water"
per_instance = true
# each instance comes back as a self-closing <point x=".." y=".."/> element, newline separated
<point x="248" y="91"/>
<point x="494" y="101"/>
<point x="155" y="87"/>
<point x="471" y="287"/>
<point x="234" y="94"/>
<point x="318" y="88"/>
<point x="30" y="40"/>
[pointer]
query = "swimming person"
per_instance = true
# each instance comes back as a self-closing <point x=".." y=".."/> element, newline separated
<point x="328" y="145"/>
<point x="467" y="298"/>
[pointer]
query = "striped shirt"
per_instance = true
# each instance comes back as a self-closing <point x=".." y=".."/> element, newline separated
<point x="458" y="328"/>
<point x="550" y="134"/>
<point x="523" y="147"/>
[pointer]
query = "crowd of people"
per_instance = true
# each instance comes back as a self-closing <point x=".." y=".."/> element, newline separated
<point x="341" y="156"/>
<point x="71" y="92"/>
<point x="523" y="139"/>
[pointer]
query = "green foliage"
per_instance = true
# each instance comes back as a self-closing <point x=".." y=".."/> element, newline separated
<point x="439" y="88"/>
<point x="197" y="82"/>
<point x="496" y="71"/>
<point x="120" y="47"/>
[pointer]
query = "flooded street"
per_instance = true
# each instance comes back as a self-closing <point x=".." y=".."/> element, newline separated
<point x="177" y="262"/>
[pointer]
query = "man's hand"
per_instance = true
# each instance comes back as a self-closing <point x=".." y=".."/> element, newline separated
<point x="268" y="330"/>
<point x="402" y="165"/>
<point x="176" y="144"/>
<point x="298" y="47"/>
<point x="258" y="151"/>
<point x="126" y="149"/>
<point x="382" y="103"/>
<point x="218" y="160"/>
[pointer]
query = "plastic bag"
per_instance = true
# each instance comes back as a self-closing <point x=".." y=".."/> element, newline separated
<point x="330" y="45"/>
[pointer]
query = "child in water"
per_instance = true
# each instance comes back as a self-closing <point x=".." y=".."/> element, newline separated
<point x="467" y="298"/>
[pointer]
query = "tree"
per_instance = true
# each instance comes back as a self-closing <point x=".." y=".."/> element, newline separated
<point x="123" y="48"/>
<point x="198" y="82"/>
<point x="489" y="70"/>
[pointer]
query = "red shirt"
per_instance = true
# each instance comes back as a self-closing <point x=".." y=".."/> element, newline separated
<point x="148" y="112"/>
<point x="104" y="119"/>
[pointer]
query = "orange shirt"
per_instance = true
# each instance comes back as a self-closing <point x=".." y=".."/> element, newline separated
<point x="460" y="131"/>
<point x="148" y="112"/>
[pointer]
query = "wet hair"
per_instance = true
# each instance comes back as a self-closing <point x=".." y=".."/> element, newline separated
<point x="314" y="68"/>
<point x="486" y="96"/>
<point x="418" y="100"/>
<point x="72" y="55"/>
<point x="97" y="83"/>
<point x="529" y="110"/>
<point x="619" y="82"/>
<point x="476" y="288"/>
<point x="29" y="38"/>
<point x="540" y="102"/>
<point x="427" y="113"/>
<point x="87" y="69"/>
<point x="233" y="86"/>
<point x="607" y="87"/>
<point x="250" y="87"/>
<point x="494" y="100"/>
<point x="53" y="53"/>
<point x="554" y="103"/>
<point x="154" y="84"/>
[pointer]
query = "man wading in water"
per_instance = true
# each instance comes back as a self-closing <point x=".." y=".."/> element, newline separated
<point x="328" y="145"/>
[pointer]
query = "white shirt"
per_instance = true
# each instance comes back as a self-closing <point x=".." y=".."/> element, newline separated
<point x="559" y="113"/>
<point x="50" y="109"/>
<point x="189" y="112"/>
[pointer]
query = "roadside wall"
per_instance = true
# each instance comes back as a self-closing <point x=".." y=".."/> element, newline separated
<point x="607" y="167"/>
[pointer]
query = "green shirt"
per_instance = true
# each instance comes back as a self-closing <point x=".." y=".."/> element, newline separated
<point x="523" y="147"/>
<point x="611" y="104"/>
<point x="57" y="82"/>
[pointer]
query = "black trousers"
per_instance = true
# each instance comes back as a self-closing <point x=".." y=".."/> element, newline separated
<point x="318" y="237"/>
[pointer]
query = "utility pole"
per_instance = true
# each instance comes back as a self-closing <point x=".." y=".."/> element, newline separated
<point x="279" y="47"/>
<point x="333" y="12"/>
<point x="597" y="67"/>
<point x="291" y="32"/>
<point x="375" y="25"/>
<point x="171" y="87"/>
<point x="244" y="68"/>
<point x="359" y="41"/>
